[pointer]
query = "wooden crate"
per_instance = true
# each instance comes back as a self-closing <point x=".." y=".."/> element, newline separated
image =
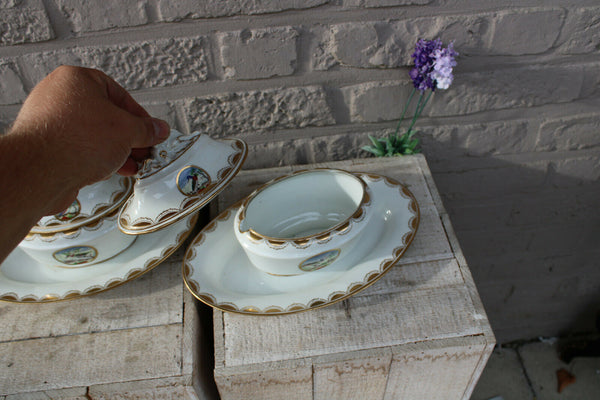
<point x="141" y="340"/>
<point x="418" y="333"/>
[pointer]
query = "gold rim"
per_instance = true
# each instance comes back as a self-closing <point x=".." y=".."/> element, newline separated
<point x="342" y="226"/>
<point x="189" y="204"/>
<point x="335" y="297"/>
<point x="132" y="274"/>
<point x="117" y="199"/>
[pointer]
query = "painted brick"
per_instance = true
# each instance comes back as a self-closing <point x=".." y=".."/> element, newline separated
<point x="238" y="113"/>
<point x="574" y="172"/>
<point x="307" y="150"/>
<point x="488" y="183"/>
<point x="258" y="53"/>
<point x="382" y="3"/>
<point x="581" y="31"/>
<point x="562" y="207"/>
<point x="9" y="3"/>
<point x="24" y="25"/>
<point x="591" y="77"/>
<point x="376" y="101"/>
<point x="87" y="16"/>
<point x="569" y="134"/>
<point x="389" y="44"/>
<point x="11" y="87"/>
<point x="163" y="62"/>
<point x="355" y="44"/>
<point x="513" y="33"/>
<point x="173" y="11"/>
<point x="477" y="140"/>
<point x="470" y="93"/>
<point x="164" y="111"/>
<point x="508" y="88"/>
<point x="478" y="216"/>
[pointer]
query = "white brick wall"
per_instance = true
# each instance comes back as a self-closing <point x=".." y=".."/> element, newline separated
<point x="514" y="144"/>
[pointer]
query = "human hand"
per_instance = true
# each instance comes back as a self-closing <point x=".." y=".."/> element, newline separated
<point x="89" y="127"/>
<point x="91" y="123"/>
<point x="77" y="127"/>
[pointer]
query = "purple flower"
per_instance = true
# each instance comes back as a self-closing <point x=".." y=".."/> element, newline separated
<point x="442" y="67"/>
<point x="433" y="65"/>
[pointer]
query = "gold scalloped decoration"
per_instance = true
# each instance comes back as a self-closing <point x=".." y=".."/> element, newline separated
<point x="131" y="275"/>
<point x="300" y="243"/>
<point x="234" y="160"/>
<point x="116" y="198"/>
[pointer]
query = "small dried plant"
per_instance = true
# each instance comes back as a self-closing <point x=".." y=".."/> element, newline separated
<point x="432" y="70"/>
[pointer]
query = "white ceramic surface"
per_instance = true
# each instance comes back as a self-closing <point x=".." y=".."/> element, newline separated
<point x="304" y="221"/>
<point x="217" y="271"/>
<point x="23" y="279"/>
<point x="184" y="174"/>
<point x="93" y="203"/>
<point x="80" y="247"/>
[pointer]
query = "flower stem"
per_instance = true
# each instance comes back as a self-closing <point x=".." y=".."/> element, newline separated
<point x="420" y="107"/>
<point x="404" y="111"/>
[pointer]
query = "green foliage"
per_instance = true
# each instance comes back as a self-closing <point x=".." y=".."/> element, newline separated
<point x="393" y="145"/>
<point x="400" y="145"/>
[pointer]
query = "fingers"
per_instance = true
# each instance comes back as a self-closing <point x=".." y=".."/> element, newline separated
<point x="157" y="131"/>
<point x="130" y="168"/>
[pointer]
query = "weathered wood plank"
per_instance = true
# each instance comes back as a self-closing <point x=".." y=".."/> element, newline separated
<point x="363" y="377"/>
<point x="433" y="191"/>
<point x="410" y="277"/>
<point x="362" y="322"/>
<point x="155" y="298"/>
<point x="434" y="370"/>
<point x="88" y="359"/>
<point x="191" y="331"/>
<point x="63" y="394"/>
<point x="481" y="314"/>
<point x="282" y="381"/>
<point x="174" y="388"/>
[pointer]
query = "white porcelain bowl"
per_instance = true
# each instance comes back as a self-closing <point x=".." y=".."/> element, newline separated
<point x="86" y="232"/>
<point x="79" y="247"/>
<point x="184" y="174"/>
<point x="93" y="202"/>
<point x="304" y="221"/>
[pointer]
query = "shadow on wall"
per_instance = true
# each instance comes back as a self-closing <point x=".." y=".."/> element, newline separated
<point x="529" y="226"/>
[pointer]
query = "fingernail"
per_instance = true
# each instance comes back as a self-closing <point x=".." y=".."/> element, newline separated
<point x="161" y="128"/>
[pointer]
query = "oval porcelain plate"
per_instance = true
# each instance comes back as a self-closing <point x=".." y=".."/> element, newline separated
<point x="22" y="279"/>
<point x="218" y="273"/>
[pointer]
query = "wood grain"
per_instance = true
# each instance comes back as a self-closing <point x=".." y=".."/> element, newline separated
<point x="422" y="322"/>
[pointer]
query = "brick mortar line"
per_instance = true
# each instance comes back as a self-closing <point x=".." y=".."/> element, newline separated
<point x="327" y="15"/>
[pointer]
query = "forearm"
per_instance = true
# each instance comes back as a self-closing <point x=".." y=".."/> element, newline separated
<point x="76" y="127"/>
<point x="30" y="187"/>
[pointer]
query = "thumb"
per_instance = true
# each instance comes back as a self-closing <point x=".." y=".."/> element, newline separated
<point x="156" y="131"/>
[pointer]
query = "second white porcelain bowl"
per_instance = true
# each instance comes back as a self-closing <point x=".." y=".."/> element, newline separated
<point x="304" y="221"/>
<point x="86" y="245"/>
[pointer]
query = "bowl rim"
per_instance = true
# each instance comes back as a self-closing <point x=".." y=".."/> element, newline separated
<point x="118" y="198"/>
<point x="322" y="236"/>
<point x="142" y="224"/>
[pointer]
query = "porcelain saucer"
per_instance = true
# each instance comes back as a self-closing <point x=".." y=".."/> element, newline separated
<point x="25" y="280"/>
<point x="217" y="271"/>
